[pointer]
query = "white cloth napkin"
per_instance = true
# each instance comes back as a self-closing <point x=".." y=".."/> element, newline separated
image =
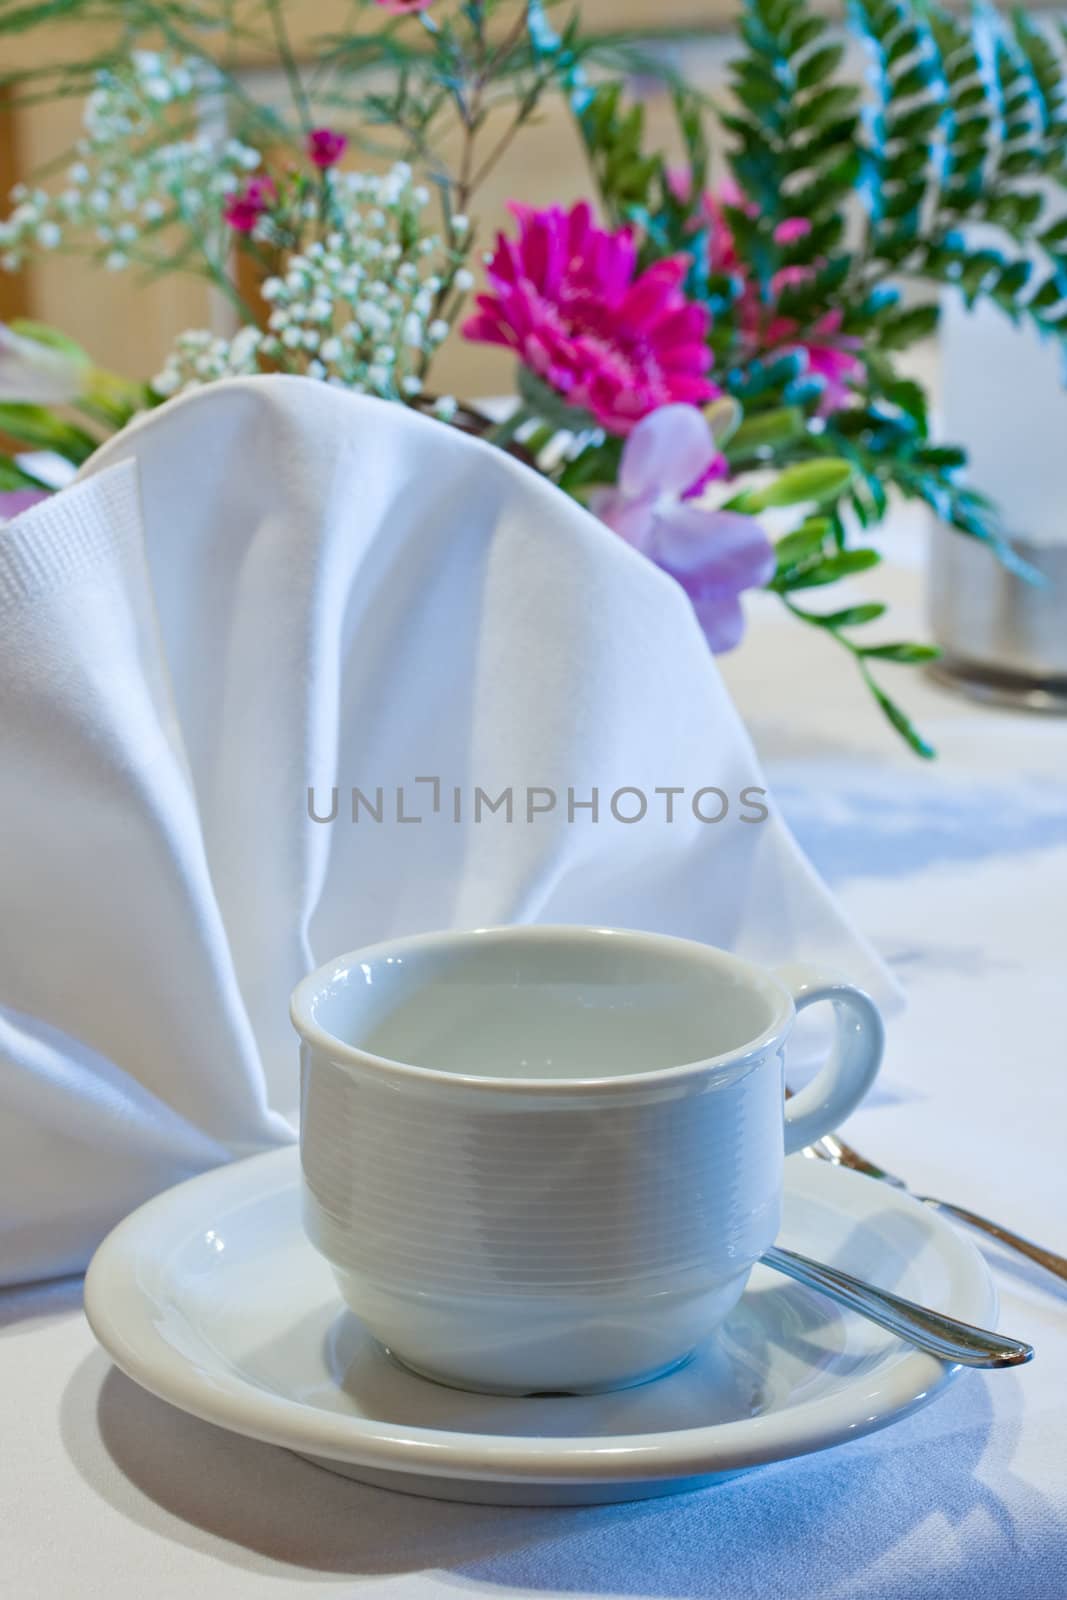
<point x="271" y="585"/>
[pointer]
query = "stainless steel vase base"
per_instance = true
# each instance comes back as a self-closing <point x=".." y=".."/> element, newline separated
<point x="1003" y="639"/>
<point x="1014" y="690"/>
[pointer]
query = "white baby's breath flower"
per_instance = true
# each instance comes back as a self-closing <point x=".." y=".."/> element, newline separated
<point x="349" y="306"/>
<point x="244" y="344"/>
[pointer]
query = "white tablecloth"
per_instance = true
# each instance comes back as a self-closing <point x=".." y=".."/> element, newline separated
<point x="959" y="874"/>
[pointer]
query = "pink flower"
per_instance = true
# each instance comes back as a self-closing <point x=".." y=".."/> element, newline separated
<point x="244" y="208"/>
<point x="325" y="147"/>
<point x="565" y="297"/>
<point x="714" y="555"/>
<point x="401" y="7"/>
<point x="830" y="355"/>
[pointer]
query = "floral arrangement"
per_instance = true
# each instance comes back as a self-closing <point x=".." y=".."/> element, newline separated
<point x="711" y="367"/>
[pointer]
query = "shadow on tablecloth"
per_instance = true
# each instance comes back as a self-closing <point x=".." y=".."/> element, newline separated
<point x="902" y="1513"/>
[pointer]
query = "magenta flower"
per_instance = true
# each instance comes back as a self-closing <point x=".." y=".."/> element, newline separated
<point x="400" y="7"/>
<point x="244" y="208"/>
<point x="715" y="555"/>
<point x="325" y="147"/>
<point x="564" y="297"/>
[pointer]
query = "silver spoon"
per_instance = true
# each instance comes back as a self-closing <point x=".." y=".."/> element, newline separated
<point x="840" y="1154"/>
<point x="932" y="1331"/>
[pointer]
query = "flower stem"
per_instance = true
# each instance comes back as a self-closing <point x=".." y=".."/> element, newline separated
<point x="505" y="431"/>
<point x="290" y="67"/>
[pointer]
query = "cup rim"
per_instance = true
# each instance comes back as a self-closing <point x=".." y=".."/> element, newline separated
<point x="351" y="1057"/>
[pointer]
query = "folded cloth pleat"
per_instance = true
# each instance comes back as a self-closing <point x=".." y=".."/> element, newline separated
<point x="268" y="602"/>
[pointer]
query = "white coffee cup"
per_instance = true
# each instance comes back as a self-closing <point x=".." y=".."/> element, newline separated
<point x="547" y="1158"/>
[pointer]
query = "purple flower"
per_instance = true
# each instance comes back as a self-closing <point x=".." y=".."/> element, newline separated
<point x="325" y="147"/>
<point x="670" y="456"/>
<point x="14" y="502"/>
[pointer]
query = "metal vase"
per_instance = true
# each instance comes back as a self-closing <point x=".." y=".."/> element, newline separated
<point x="1004" y="639"/>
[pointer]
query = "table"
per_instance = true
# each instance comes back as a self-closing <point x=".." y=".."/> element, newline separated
<point x="959" y="875"/>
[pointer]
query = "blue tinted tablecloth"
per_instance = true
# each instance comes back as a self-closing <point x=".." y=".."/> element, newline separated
<point x="959" y="874"/>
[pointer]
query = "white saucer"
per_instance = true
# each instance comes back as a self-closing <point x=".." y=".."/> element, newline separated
<point x="211" y="1297"/>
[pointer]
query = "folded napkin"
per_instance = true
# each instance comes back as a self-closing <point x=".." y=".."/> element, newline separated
<point x="271" y="587"/>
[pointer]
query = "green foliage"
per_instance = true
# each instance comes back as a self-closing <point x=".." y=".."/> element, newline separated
<point x="37" y="428"/>
<point x="794" y="137"/>
<point x="13" y="477"/>
<point x="961" y="118"/>
<point x="954" y="146"/>
<point x="805" y="483"/>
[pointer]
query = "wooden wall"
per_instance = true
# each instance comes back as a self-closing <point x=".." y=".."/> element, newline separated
<point x="14" y="292"/>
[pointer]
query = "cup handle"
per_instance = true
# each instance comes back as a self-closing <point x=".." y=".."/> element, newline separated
<point x="839" y="1086"/>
